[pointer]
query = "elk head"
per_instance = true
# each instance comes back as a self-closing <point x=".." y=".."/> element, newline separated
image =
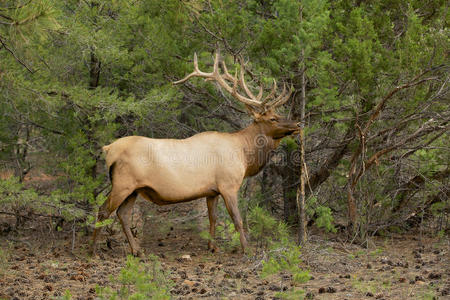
<point x="262" y="110"/>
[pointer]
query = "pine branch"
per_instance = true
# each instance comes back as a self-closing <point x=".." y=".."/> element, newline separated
<point x="15" y="56"/>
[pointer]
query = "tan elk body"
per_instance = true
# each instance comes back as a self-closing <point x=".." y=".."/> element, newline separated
<point x="208" y="164"/>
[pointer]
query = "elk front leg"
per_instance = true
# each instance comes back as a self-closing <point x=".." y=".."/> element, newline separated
<point x="232" y="206"/>
<point x="212" y="214"/>
<point x="124" y="213"/>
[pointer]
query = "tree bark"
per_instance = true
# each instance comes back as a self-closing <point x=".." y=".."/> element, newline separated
<point x="94" y="71"/>
<point x="301" y="200"/>
<point x="325" y="170"/>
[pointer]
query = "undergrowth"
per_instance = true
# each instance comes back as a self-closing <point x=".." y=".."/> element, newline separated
<point x="138" y="280"/>
<point x="281" y="256"/>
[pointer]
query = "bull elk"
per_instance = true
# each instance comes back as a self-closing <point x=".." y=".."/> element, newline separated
<point x="208" y="164"/>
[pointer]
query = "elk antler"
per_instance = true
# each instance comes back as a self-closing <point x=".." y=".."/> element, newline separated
<point x="250" y="99"/>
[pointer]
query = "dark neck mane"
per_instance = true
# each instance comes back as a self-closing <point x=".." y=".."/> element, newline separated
<point x="256" y="147"/>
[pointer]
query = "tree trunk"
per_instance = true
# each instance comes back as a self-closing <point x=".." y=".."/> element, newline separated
<point x="332" y="161"/>
<point x="289" y="182"/>
<point x="301" y="200"/>
<point x="94" y="71"/>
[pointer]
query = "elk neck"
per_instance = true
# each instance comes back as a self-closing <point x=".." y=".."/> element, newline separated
<point x="256" y="147"/>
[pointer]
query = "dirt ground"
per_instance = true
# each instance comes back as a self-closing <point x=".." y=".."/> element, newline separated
<point x="42" y="264"/>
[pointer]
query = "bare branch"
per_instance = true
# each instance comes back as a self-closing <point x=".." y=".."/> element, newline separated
<point x="15" y="56"/>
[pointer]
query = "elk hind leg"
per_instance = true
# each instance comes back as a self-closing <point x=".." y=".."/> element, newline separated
<point x="114" y="199"/>
<point x="124" y="212"/>
<point x="103" y="214"/>
<point x="212" y="214"/>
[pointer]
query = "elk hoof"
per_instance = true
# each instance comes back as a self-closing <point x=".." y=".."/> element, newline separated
<point x="138" y="253"/>
<point x="213" y="248"/>
<point x="93" y="253"/>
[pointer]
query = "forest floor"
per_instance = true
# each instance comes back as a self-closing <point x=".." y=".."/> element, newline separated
<point x="39" y="263"/>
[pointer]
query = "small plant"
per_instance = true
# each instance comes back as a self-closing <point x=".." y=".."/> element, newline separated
<point x="323" y="215"/>
<point x="428" y="294"/>
<point x="228" y="233"/>
<point x="281" y="254"/>
<point x="103" y="223"/>
<point x="293" y="294"/>
<point x="67" y="295"/>
<point x="265" y="229"/>
<point x="285" y="258"/>
<point x="376" y="252"/>
<point x="4" y="256"/>
<point x="325" y="218"/>
<point x="225" y="233"/>
<point x="356" y="254"/>
<point x="363" y="286"/>
<point x="138" y="280"/>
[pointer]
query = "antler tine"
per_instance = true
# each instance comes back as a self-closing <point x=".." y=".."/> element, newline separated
<point x="195" y="73"/>
<point x="274" y="101"/>
<point x="214" y="75"/>
<point x="272" y="92"/>
<point x="235" y="84"/>
<point x="216" y="63"/>
<point x="226" y="74"/>
<point x="283" y="98"/>
<point x="260" y="93"/>
<point x="196" y="63"/>
<point x="242" y="83"/>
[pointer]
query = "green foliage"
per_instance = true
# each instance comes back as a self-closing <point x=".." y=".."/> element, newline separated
<point x="5" y="253"/>
<point x="14" y="194"/>
<point x="20" y="199"/>
<point x="292" y="294"/>
<point x="138" y="280"/>
<point x="103" y="223"/>
<point x="228" y="234"/>
<point x="376" y="252"/>
<point x="67" y="295"/>
<point x="289" y="144"/>
<point x="265" y="229"/>
<point x="280" y="253"/>
<point x="325" y="218"/>
<point x="285" y="257"/>
<point x="432" y="159"/>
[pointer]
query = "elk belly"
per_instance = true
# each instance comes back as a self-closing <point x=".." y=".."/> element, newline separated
<point x="168" y="196"/>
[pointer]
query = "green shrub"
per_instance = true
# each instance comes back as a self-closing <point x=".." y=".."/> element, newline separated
<point x="281" y="255"/>
<point x="265" y="229"/>
<point x="325" y="218"/>
<point x="284" y="257"/>
<point x="67" y="295"/>
<point x="20" y="200"/>
<point x="138" y="280"/>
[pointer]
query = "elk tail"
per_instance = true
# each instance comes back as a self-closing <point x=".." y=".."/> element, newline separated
<point x="106" y="149"/>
